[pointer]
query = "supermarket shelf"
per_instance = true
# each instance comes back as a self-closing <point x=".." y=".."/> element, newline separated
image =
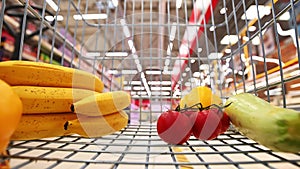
<point x="273" y="77"/>
<point x="46" y="47"/>
<point x="138" y="146"/>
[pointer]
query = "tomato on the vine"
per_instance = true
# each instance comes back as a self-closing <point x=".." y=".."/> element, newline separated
<point x="174" y="127"/>
<point x="210" y="123"/>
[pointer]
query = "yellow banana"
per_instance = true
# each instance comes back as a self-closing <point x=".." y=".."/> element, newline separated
<point x="38" y="126"/>
<point x="102" y="103"/>
<point x="37" y="99"/>
<point x="43" y="74"/>
<point x="91" y="126"/>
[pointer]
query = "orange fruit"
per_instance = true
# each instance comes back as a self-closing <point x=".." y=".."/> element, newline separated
<point x="10" y="114"/>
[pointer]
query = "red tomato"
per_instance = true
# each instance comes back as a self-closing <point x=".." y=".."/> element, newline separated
<point x="174" y="127"/>
<point x="209" y="124"/>
<point x="225" y="123"/>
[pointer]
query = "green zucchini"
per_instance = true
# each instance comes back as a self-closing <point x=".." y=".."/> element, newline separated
<point x="274" y="127"/>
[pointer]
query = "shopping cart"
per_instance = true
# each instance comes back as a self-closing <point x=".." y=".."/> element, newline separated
<point x="158" y="50"/>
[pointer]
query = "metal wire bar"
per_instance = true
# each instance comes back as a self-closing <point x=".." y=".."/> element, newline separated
<point x="3" y="6"/>
<point x="83" y="37"/>
<point x="283" y="88"/>
<point x="41" y="31"/>
<point x="23" y="30"/>
<point x="239" y="44"/>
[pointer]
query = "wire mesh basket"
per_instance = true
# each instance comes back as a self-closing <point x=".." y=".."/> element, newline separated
<point x="158" y="50"/>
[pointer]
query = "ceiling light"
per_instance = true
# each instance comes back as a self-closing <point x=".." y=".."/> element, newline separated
<point x="187" y="84"/>
<point x="196" y="74"/>
<point x="51" y="18"/>
<point x="127" y="88"/>
<point x="90" y="16"/>
<point x="202" y="5"/>
<point x="214" y="56"/>
<point x="223" y="11"/>
<point x="93" y="54"/>
<point x="159" y="82"/>
<point x="137" y="62"/>
<point x="243" y="57"/>
<point x="147" y="87"/>
<point x="167" y="63"/>
<point x="252" y="28"/>
<point x="256" y="40"/>
<point x="173" y="31"/>
<point x="204" y="67"/>
<point x="125" y="28"/>
<point x="200" y="50"/>
<point x="139" y="67"/>
<point x="176" y="93"/>
<point x="285" y="17"/>
<point x="246" y="38"/>
<point x="227" y="50"/>
<point x="143" y="75"/>
<point x="135" y="82"/>
<point x="178" y="4"/>
<point x="252" y="12"/>
<point x="142" y="93"/>
<point x="161" y="88"/>
<point x="115" y="2"/>
<point x="169" y="50"/>
<point x="160" y="93"/>
<point x="52" y="4"/>
<point x="113" y="72"/>
<point x="153" y="72"/>
<point x="229" y="80"/>
<point x="183" y="50"/>
<point x="187" y="69"/>
<point x="138" y="88"/>
<point x="132" y="72"/>
<point x="167" y="72"/>
<point x="229" y="39"/>
<point x="212" y="28"/>
<point x="135" y="56"/>
<point x="183" y="74"/>
<point x="112" y="54"/>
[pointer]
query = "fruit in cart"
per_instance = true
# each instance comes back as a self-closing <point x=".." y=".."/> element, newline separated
<point x="38" y="99"/>
<point x="273" y="127"/>
<point x="210" y="123"/>
<point x="102" y="103"/>
<point x="91" y="126"/>
<point x="29" y="73"/>
<point x="174" y="127"/>
<point x="38" y="126"/>
<point x="10" y="114"/>
<point x="200" y="94"/>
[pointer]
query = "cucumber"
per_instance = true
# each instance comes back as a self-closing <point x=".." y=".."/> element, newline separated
<point x="274" y="127"/>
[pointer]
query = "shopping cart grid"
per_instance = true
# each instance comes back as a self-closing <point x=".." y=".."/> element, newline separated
<point x="139" y="145"/>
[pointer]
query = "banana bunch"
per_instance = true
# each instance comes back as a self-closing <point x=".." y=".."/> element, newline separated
<point x="60" y="101"/>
